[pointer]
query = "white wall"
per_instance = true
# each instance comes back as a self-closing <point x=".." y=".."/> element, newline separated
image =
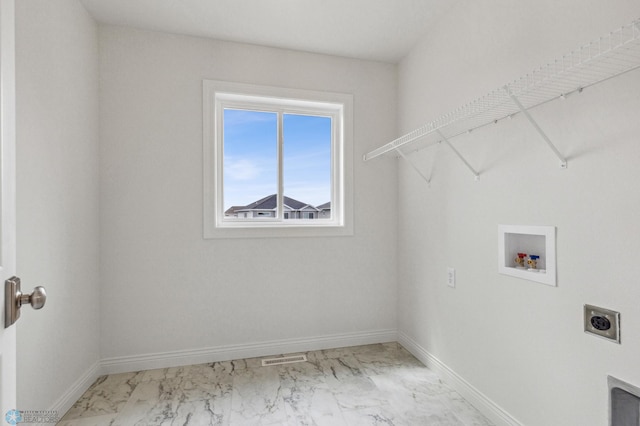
<point x="57" y="204"/>
<point x="518" y="342"/>
<point x="165" y="288"/>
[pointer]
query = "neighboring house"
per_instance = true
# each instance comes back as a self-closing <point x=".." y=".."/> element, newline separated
<point x="233" y="211"/>
<point x="324" y="211"/>
<point x="266" y="207"/>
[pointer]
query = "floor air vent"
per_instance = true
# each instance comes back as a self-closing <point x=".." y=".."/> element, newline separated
<point x="284" y="360"/>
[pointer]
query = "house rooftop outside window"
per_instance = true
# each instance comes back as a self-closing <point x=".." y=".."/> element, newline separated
<point x="267" y="207"/>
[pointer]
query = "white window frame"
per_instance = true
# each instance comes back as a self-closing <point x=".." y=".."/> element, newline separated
<point x="218" y="95"/>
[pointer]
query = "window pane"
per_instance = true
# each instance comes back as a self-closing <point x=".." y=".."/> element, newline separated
<point x="307" y="165"/>
<point x="250" y="164"/>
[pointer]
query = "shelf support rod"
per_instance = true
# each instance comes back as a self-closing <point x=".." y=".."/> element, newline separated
<point x="476" y="175"/>
<point x="523" y="110"/>
<point x="413" y="166"/>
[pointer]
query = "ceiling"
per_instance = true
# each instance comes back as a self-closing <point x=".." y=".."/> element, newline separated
<point x="381" y="30"/>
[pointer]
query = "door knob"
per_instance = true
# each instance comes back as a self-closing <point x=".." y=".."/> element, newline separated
<point x="14" y="299"/>
<point x="36" y="299"/>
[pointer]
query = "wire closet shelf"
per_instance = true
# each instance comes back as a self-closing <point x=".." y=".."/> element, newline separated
<point x="609" y="56"/>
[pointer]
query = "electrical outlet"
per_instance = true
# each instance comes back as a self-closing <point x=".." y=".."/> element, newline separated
<point x="602" y="322"/>
<point x="451" y="277"/>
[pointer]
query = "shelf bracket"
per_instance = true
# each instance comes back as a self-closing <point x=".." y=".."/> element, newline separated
<point x="523" y="110"/>
<point x="413" y="166"/>
<point x="476" y="175"/>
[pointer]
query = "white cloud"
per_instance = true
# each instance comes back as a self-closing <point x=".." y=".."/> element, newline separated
<point x="241" y="169"/>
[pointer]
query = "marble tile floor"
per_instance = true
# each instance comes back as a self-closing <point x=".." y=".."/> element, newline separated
<point x="381" y="384"/>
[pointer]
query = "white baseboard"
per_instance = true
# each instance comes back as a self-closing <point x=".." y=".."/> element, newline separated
<point x="476" y="398"/>
<point x="79" y="387"/>
<point x="229" y="352"/>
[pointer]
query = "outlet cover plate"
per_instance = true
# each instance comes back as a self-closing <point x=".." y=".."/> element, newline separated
<point x="602" y="322"/>
<point x="451" y="277"/>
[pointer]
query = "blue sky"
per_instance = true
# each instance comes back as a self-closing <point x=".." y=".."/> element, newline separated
<point x="250" y="157"/>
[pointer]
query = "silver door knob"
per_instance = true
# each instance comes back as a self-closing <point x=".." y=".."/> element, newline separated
<point x="14" y="299"/>
<point x="36" y="299"/>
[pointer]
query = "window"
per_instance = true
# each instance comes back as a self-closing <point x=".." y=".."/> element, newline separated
<point x="277" y="161"/>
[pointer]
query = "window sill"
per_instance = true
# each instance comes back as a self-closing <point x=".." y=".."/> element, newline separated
<point x="278" y="231"/>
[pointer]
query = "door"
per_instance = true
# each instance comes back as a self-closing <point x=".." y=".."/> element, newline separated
<point x="7" y="202"/>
